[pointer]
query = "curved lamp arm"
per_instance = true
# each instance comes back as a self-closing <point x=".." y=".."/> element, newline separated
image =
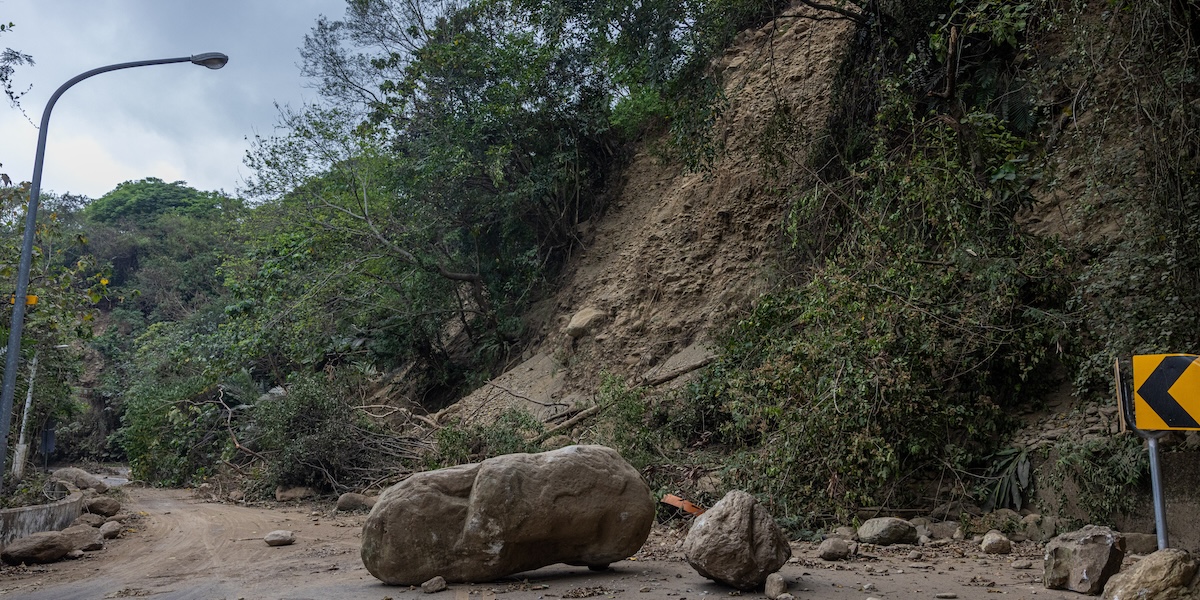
<point x="212" y="60"/>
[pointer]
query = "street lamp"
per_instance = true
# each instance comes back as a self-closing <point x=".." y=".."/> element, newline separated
<point x="212" y="60"/>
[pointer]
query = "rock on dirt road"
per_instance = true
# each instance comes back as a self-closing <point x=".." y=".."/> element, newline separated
<point x="181" y="548"/>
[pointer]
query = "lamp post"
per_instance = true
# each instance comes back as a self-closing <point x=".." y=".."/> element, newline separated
<point x="212" y="60"/>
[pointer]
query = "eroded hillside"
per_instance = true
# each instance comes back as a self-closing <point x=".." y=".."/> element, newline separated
<point x="678" y="254"/>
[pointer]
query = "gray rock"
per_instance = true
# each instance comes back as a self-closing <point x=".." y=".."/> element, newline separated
<point x="434" y="585"/>
<point x="83" y="537"/>
<point x="583" y="322"/>
<point x="1140" y="543"/>
<point x="280" y="537"/>
<point x="351" y="501"/>
<point x="885" y="531"/>
<point x="44" y="547"/>
<point x="580" y="505"/>
<point x="834" y="548"/>
<point x="1083" y="560"/>
<point x="110" y="530"/>
<point x="288" y="494"/>
<point x="1039" y="528"/>
<point x="994" y="542"/>
<point x="1162" y="575"/>
<point x="103" y="505"/>
<point x="775" y="586"/>
<point x="943" y="530"/>
<point x="1022" y="564"/>
<point x="786" y="596"/>
<point x="80" y="479"/>
<point x="74" y="554"/>
<point x="736" y="542"/>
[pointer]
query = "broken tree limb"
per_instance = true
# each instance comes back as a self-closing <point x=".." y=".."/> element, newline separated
<point x="569" y="422"/>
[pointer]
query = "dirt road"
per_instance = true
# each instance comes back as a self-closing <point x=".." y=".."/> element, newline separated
<point x="184" y="548"/>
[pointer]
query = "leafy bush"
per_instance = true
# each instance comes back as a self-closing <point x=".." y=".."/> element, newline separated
<point x="513" y="431"/>
<point x="312" y="435"/>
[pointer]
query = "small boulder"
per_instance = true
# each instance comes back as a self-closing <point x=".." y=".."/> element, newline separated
<point x="74" y="554"/>
<point x="833" y="548"/>
<point x="43" y="547"/>
<point x="943" y="530"/>
<point x="775" y="586"/>
<point x="580" y="505"/>
<point x="280" y="537"/>
<point x="582" y="323"/>
<point x="736" y="542"/>
<point x="83" y="537"/>
<point x="287" y="494"/>
<point x="885" y="531"/>
<point x="80" y="479"/>
<point x="1162" y="575"/>
<point x="994" y="542"/>
<point x="351" y="501"/>
<point x="89" y="519"/>
<point x="110" y="530"/>
<point x="103" y="505"/>
<point x="1083" y="560"/>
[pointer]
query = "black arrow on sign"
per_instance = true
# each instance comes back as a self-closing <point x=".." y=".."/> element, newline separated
<point x="1157" y="392"/>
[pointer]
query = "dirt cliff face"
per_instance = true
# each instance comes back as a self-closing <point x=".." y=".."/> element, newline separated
<point x="678" y="254"/>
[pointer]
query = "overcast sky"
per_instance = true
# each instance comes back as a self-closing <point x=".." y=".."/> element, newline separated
<point x="174" y="122"/>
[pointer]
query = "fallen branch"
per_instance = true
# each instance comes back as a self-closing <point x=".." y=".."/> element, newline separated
<point x="569" y="423"/>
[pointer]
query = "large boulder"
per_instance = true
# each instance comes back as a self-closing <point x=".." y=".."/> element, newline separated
<point x="736" y="542"/>
<point x="580" y="505"/>
<point x="1083" y="560"/>
<point x="43" y="547"/>
<point x="80" y="479"/>
<point x="885" y="531"/>
<point x="83" y="537"/>
<point x="1162" y="575"/>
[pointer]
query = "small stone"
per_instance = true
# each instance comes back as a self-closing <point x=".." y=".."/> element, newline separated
<point x="995" y="543"/>
<point x="280" y="537"/>
<point x="916" y="555"/>
<point x="945" y="596"/>
<point x="1022" y="564"/>
<point x="434" y="585"/>
<point x="776" y="586"/>
<point x="110" y="530"/>
<point x="645" y="589"/>
<point x="74" y="554"/>
<point x="834" y="548"/>
<point x="784" y="596"/>
<point x="870" y="587"/>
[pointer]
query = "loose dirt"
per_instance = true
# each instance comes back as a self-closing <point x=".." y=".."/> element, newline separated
<point x="184" y="548"/>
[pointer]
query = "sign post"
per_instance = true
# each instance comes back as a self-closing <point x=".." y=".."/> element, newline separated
<point x="1163" y="396"/>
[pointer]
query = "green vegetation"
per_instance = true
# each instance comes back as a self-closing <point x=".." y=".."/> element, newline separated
<point x="404" y="224"/>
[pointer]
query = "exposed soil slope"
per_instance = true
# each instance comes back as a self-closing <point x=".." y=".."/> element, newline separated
<point x="678" y="254"/>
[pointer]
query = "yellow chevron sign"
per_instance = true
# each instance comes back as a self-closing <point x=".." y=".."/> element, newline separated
<point x="1166" y="391"/>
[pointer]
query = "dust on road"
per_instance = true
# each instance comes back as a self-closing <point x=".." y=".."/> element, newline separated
<point x="184" y="548"/>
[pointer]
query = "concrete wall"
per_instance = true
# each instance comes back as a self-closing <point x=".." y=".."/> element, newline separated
<point x="17" y="523"/>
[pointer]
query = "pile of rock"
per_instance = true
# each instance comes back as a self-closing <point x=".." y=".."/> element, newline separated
<point x="101" y="520"/>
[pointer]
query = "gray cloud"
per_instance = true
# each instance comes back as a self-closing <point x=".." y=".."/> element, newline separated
<point x="172" y="121"/>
